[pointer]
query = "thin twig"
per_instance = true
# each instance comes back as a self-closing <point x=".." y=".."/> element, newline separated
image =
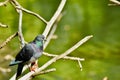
<point x="44" y="72"/>
<point x="16" y="4"/>
<point x="20" y="29"/>
<point x="80" y="65"/>
<point x="3" y="25"/>
<point x="19" y="7"/>
<point x="53" y="19"/>
<point x="52" y="31"/>
<point x="8" y="40"/>
<point x="4" y="3"/>
<point x="25" y="77"/>
<point x="50" y="36"/>
<point x="66" y="57"/>
<point x="115" y="1"/>
<point x="33" y="13"/>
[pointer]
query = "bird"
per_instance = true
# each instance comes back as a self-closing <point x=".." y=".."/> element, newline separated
<point x="29" y="54"/>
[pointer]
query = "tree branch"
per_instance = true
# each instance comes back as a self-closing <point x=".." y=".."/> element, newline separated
<point x="53" y="19"/>
<point x="52" y="31"/>
<point x="32" y="13"/>
<point x="4" y="3"/>
<point x="20" y="29"/>
<point x="116" y="2"/>
<point x="65" y="57"/>
<point x="25" y="77"/>
<point x="3" y="25"/>
<point x="44" y="72"/>
<point x="8" y="40"/>
<point x="16" y="4"/>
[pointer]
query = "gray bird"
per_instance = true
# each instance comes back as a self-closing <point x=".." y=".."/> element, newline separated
<point x="28" y="54"/>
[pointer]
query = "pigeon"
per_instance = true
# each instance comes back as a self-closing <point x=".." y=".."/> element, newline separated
<point x="29" y="54"/>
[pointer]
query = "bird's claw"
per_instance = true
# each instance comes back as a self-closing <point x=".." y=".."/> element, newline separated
<point x="34" y="67"/>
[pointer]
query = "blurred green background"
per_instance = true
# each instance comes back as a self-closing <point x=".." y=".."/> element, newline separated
<point x="81" y="18"/>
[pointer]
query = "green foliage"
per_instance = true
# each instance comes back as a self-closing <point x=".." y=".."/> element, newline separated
<point x="81" y="18"/>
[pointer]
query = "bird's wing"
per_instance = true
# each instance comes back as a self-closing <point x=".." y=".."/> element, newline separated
<point x="25" y="54"/>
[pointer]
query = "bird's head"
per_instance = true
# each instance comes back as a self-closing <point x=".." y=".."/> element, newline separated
<point x="40" y="38"/>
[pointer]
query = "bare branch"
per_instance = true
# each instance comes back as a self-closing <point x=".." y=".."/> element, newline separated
<point x="3" y="25"/>
<point x="50" y="35"/>
<point x="20" y="29"/>
<point x="4" y="3"/>
<point x="116" y="2"/>
<point x="52" y="31"/>
<point x="65" y="57"/>
<point x="44" y="72"/>
<point x="80" y="65"/>
<point x="19" y="7"/>
<point x="53" y="19"/>
<point x="16" y="4"/>
<point x="33" y="13"/>
<point x="8" y="40"/>
<point x="25" y="77"/>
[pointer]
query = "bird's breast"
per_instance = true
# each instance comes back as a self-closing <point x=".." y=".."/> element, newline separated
<point x="32" y="59"/>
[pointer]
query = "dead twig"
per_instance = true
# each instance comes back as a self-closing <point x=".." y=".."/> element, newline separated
<point x="16" y="4"/>
<point x="8" y="40"/>
<point x="54" y="18"/>
<point x="44" y="72"/>
<point x="4" y="3"/>
<point x="3" y="25"/>
<point x="20" y="29"/>
<point x="116" y="2"/>
<point x="65" y="57"/>
<point x="32" y="13"/>
<point x="52" y="31"/>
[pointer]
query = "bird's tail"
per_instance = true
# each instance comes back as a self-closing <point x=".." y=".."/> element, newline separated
<point x="14" y="62"/>
<point x="19" y="70"/>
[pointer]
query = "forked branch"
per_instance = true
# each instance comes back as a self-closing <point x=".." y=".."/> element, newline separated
<point x="28" y="75"/>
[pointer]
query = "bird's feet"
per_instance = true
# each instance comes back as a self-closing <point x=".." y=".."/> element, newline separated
<point x="33" y="66"/>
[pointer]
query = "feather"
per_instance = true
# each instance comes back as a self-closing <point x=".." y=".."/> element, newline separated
<point x="19" y="70"/>
<point x="14" y="62"/>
